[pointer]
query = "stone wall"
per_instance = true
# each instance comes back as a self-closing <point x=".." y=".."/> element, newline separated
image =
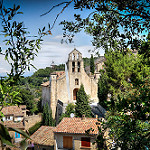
<point x="30" y="121"/>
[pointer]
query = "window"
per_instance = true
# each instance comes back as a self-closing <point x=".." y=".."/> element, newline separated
<point x="73" y="56"/>
<point x="67" y="142"/>
<point x="73" y="66"/>
<point x="85" y="142"/>
<point x="77" y="56"/>
<point x="17" y="135"/>
<point x="78" y="66"/>
<point x="76" y="81"/>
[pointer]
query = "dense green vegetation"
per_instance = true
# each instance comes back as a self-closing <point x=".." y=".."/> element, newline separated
<point x="69" y="109"/>
<point x="82" y="106"/>
<point x="35" y="128"/>
<point x="92" y="65"/>
<point x="47" y="119"/>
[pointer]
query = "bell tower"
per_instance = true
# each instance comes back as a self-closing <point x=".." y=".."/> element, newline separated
<point x="75" y="62"/>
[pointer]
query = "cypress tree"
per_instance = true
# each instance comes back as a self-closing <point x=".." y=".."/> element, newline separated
<point x="102" y="90"/>
<point x="92" y="65"/>
<point x="82" y="106"/>
<point x="47" y="116"/>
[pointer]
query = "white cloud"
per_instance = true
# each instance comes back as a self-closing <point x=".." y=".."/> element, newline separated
<point x="51" y="51"/>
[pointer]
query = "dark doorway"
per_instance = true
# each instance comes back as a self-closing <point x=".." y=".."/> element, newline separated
<point x="75" y="94"/>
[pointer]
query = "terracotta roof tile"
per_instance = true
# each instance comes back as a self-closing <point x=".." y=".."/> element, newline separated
<point x="12" y="110"/>
<point x="77" y="126"/>
<point x="44" y="136"/>
<point x="12" y="124"/>
<point x="45" y="83"/>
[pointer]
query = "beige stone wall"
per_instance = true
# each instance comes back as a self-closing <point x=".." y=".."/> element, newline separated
<point x="62" y="91"/>
<point x="32" y="120"/>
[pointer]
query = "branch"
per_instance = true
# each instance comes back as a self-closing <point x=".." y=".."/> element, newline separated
<point x="53" y="8"/>
<point x="67" y="4"/>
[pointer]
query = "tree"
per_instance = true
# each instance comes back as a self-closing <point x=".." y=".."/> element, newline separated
<point x="129" y="121"/>
<point x="102" y="90"/>
<point x="82" y="106"/>
<point x="92" y="65"/>
<point x="47" y="116"/>
<point x="19" y="53"/>
<point x="28" y="99"/>
<point x="69" y="109"/>
<point x="112" y="24"/>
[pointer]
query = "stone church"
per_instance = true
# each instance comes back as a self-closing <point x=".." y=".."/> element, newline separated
<point x="63" y="86"/>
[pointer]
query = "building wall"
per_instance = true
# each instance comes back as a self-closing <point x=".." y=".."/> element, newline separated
<point x="76" y="141"/>
<point x="31" y="121"/>
<point x="43" y="147"/>
<point x="45" y="95"/>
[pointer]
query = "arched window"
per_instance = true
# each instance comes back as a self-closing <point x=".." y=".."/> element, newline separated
<point x="73" y="66"/>
<point x="76" y="81"/>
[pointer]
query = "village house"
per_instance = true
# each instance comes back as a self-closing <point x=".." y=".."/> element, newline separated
<point x="42" y="139"/>
<point x="13" y="117"/>
<point x="74" y="133"/>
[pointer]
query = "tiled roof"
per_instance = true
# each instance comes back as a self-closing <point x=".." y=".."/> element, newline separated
<point x="12" y="110"/>
<point x="58" y="73"/>
<point x="13" y="124"/>
<point x="77" y="126"/>
<point x="45" y="83"/>
<point x="44" y="136"/>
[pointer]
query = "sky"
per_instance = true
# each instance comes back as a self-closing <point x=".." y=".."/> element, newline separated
<point x="51" y="48"/>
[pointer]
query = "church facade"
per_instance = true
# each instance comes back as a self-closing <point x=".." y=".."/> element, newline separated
<point x="63" y="85"/>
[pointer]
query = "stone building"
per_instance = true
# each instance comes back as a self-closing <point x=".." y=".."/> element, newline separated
<point x="64" y="85"/>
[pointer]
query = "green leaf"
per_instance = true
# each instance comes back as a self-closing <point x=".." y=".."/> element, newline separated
<point x="20" y="131"/>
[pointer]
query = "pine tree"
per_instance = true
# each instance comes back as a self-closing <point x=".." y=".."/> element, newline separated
<point x="82" y="106"/>
<point x="92" y="65"/>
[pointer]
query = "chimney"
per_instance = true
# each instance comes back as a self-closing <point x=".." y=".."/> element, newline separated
<point x="83" y="117"/>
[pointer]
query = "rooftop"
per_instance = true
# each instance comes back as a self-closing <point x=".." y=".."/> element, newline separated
<point x="12" y="110"/>
<point x="13" y="124"/>
<point x="44" y="136"/>
<point x="77" y="126"/>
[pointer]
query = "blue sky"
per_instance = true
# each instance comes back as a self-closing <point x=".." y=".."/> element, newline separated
<point x="51" y="49"/>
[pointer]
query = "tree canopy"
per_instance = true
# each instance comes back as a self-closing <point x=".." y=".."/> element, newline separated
<point x="82" y="106"/>
<point x="112" y="24"/>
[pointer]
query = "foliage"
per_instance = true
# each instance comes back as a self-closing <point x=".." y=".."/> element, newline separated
<point x="145" y="50"/>
<point x="35" y="128"/>
<point x="92" y="65"/>
<point x="82" y="106"/>
<point x="20" y="51"/>
<point x="129" y="121"/>
<point x="69" y="109"/>
<point x="112" y="24"/>
<point x="123" y="68"/>
<point x="47" y="116"/>
<point x="28" y="99"/>
<point x="102" y="90"/>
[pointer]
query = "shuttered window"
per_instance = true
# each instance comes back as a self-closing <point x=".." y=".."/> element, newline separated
<point x="85" y="142"/>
